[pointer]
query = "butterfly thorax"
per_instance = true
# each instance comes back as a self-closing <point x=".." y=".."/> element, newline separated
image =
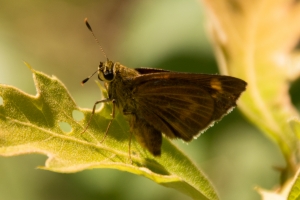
<point x="118" y="79"/>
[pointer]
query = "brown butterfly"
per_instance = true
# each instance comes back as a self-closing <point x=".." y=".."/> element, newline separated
<point x="156" y="101"/>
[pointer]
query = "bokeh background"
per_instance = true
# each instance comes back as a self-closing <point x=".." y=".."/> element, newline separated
<point x="51" y="37"/>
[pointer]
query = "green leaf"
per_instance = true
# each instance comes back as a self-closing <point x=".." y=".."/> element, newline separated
<point x="255" y="40"/>
<point x="37" y="124"/>
<point x="295" y="191"/>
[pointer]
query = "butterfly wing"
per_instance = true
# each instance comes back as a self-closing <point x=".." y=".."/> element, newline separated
<point x="144" y="70"/>
<point x="147" y="136"/>
<point x="180" y="104"/>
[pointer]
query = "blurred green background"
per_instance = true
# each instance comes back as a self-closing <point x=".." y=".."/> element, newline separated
<point x="51" y="37"/>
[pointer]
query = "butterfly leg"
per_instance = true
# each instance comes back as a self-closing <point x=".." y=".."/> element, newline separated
<point x="94" y="109"/>
<point x="113" y="117"/>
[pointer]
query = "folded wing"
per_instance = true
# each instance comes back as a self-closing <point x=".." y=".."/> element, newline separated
<point x="180" y="104"/>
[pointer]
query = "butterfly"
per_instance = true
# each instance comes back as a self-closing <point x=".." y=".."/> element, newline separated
<point x="159" y="102"/>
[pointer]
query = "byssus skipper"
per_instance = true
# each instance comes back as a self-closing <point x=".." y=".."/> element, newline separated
<point x="157" y="101"/>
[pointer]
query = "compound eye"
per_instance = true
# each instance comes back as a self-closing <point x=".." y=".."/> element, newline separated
<point x="108" y="75"/>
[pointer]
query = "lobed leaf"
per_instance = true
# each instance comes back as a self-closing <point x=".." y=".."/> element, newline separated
<point x="34" y="124"/>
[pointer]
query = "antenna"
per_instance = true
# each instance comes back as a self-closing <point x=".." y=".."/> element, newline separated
<point x="90" y="28"/>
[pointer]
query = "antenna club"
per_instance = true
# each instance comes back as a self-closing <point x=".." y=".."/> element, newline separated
<point x="87" y="24"/>
<point x="88" y="78"/>
<point x="84" y="81"/>
<point x="90" y="28"/>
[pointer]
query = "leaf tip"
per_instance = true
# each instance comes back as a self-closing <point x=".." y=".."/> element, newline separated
<point x="27" y="65"/>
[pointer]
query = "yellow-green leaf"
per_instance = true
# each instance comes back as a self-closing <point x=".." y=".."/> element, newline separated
<point x="47" y="124"/>
<point x="255" y="41"/>
<point x="289" y="191"/>
<point x="295" y="190"/>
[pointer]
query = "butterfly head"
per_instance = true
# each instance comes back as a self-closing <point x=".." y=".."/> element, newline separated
<point x="106" y="71"/>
